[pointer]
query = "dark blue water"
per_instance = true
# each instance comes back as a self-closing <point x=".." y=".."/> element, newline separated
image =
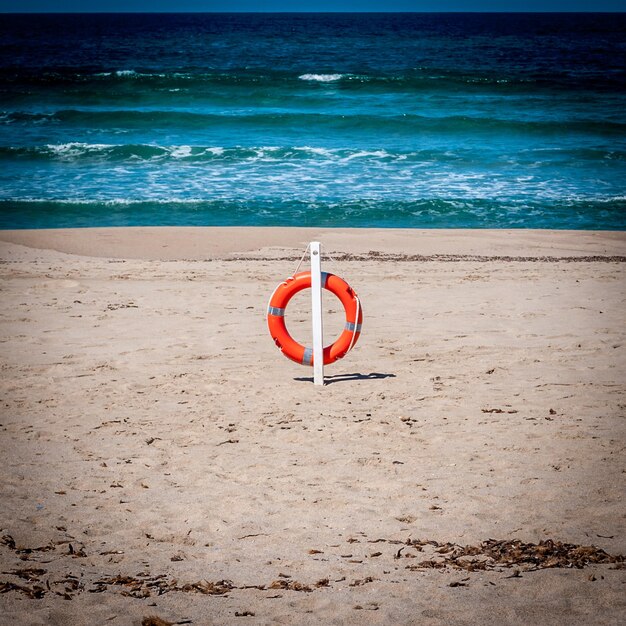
<point x="398" y="120"/>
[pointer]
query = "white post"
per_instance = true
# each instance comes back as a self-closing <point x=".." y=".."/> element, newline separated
<point x="316" y="301"/>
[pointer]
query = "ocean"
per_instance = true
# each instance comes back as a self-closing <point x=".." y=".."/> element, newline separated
<point x="329" y="120"/>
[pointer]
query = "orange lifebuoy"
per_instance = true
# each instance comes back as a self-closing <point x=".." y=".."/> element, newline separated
<point x="276" y="318"/>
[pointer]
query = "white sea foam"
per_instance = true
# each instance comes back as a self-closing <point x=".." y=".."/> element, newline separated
<point x="319" y="151"/>
<point x="364" y="153"/>
<point x="125" y="73"/>
<point x="321" y="78"/>
<point x="180" y="152"/>
<point x="76" y="147"/>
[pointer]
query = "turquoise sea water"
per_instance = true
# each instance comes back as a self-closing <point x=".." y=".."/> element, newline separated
<point x="414" y="120"/>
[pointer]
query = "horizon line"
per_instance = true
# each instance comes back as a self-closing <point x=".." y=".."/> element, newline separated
<point x="567" y="12"/>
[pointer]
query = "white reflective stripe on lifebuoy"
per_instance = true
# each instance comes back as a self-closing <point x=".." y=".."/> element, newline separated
<point x="307" y="359"/>
<point x="352" y="327"/>
<point x="273" y="310"/>
<point x="324" y="278"/>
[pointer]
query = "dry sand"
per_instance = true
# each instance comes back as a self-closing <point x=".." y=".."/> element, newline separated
<point x="161" y="457"/>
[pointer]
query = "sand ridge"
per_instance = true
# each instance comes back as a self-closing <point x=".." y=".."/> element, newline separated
<point x="203" y="243"/>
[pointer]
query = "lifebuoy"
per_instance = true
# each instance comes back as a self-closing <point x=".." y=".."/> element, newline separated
<point x="276" y="318"/>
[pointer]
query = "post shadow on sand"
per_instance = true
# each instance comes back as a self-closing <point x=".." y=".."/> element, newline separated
<point x="340" y="378"/>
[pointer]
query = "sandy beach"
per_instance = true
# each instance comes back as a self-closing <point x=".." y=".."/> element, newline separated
<point x="160" y="457"/>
